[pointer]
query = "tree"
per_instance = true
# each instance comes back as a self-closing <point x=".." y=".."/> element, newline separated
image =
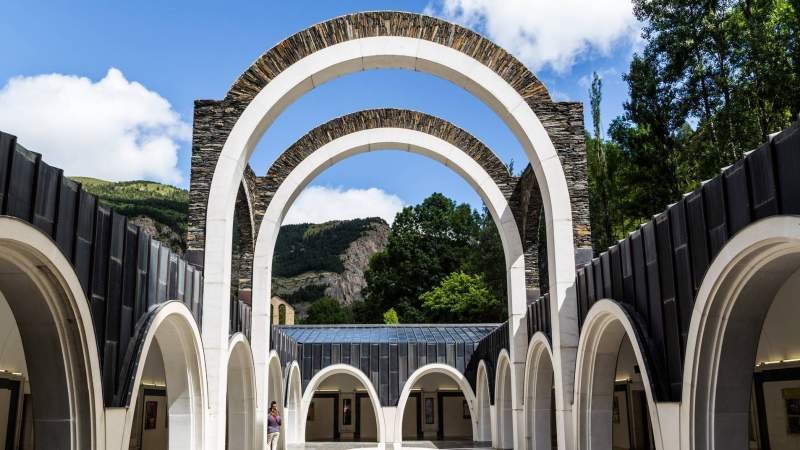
<point x="461" y="298"/>
<point x="327" y="311"/>
<point x="428" y="242"/>
<point x="390" y="317"/>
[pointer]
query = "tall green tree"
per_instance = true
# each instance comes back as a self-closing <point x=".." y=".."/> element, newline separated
<point x="427" y="243"/>
<point x="461" y="298"/>
<point x="327" y="311"/>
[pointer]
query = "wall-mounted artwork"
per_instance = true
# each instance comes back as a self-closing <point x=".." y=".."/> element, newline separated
<point x="615" y="412"/>
<point x="465" y="410"/>
<point x="792" y="398"/>
<point x="311" y="412"/>
<point x="150" y="415"/>
<point x="347" y="412"/>
<point x="428" y="411"/>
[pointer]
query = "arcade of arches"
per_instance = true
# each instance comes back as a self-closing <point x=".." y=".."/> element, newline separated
<point x="682" y="336"/>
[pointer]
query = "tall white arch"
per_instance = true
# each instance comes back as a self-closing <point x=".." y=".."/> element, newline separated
<point x="413" y="54"/>
<point x="58" y="338"/>
<point x="294" y="401"/>
<point x="176" y="332"/>
<point x="346" y="369"/>
<point x="275" y="394"/>
<point x="483" y="404"/>
<point x="538" y="398"/>
<point x="428" y="369"/>
<point x="604" y="328"/>
<point x="728" y="314"/>
<point x="506" y="414"/>
<point x="241" y="395"/>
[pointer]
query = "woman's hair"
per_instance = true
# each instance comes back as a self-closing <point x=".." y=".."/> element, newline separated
<point x="272" y="405"/>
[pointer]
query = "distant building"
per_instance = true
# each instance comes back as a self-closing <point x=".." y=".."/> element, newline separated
<point x="282" y="312"/>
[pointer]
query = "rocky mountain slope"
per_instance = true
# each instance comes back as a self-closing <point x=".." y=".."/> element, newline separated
<point x="326" y="259"/>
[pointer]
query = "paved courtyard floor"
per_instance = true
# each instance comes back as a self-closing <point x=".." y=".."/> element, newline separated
<point x="451" y="445"/>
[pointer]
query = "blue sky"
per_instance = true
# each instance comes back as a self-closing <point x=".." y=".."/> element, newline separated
<point x="182" y="51"/>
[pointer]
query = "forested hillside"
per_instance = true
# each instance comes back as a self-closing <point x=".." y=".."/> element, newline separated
<point x="161" y="209"/>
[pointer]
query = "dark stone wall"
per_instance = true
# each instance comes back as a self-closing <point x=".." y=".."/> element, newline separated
<point x="124" y="272"/>
<point x="656" y="272"/>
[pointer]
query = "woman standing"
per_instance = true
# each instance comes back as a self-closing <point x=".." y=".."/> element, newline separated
<point x="273" y="427"/>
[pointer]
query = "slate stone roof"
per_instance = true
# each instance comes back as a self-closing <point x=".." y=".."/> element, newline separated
<point x="378" y="334"/>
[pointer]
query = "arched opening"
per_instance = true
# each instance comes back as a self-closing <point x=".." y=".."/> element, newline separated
<point x="615" y="406"/>
<point x="741" y="377"/>
<point x="437" y="404"/>
<point x="340" y="404"/>
<point x="266" y="93"/>
<point x="503" y="403"/>
<point x="241" y="406"/>
<point x="275" y="394"/>
<point x="484" y="405"/>
<point x="50" y="394"/>
<point x="167" y="401"/>
<point x="540" y="426"/>
<point x="294" y="399"/>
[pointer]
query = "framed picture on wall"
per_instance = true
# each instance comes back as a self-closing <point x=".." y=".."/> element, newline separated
<point x="150" y="415"/>
<point x="347" y="412"/>
<point x="465" y="410"/>
<point x="311" y="412"/>
<point x="615" y="410"/>
<point x="428" y="411"/>
<point x="792" y="398"/>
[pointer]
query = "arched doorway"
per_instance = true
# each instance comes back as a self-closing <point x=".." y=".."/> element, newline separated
<point x="540" y="405"/>
<point x="614" y="400"/>
<point x="50" y="378"/>
<point x="740" y="377"/>
<point x="484" y="404"/>
<point x="241" y="429"/>
<point x="341" y="404"/>
<point x="168" y="391"/>
<point x="275" y="394"/>
<point x="437" y="403"/>
<point x="503" y="402"/>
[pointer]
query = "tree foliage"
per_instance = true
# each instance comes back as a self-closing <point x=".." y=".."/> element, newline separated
<point x="460" y="298"/>
<point x="712" y="81"/>
<point x="327" y="311"/>
<point x="427" y="243"/>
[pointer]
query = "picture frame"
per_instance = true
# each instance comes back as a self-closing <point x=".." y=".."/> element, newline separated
<point x="791" y="398"/>
<point x="429" y="411"/>
<point x="150" y="415"/>
<point x="465" y="410"/>
<point x="347" y="411"/>
<point x="311" y="412"/>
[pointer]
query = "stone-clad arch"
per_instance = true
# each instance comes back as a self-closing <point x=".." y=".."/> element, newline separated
<point x="551" y="134"/>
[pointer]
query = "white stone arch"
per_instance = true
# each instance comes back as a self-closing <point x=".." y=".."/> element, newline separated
<point x="503" y="402"/>
<point x="731" y="305"/>
<point x="412" y="54"/>
<point x="428" y="369"/>
<point x="483" y="404"/>
<point x="58" y="338"/>
<point x="538" y="398"/>
<point x="293" y="405"/>
<point x="345" y="369"/>
<point x="241" y="390"/>
<point x="173" y="327"/>
<point x="605" y="327"/>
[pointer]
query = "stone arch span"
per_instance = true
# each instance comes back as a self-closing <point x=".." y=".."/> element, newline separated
<point x="605" y="327"/>
<point x="398" y="40"/>
<point x="483" y="402"/>
<point x="505" y="406"/>
<point x="293" y="404"/>
<point x="346" y="369"/>
<point x="418" y="374"/>
<point x="380" y="138"/>
<point x="58" y="339"/>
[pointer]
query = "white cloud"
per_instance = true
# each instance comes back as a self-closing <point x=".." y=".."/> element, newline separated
<point x="112" y="129"/>
<point x="541" y="33"/>
<point x="318" y="204"/>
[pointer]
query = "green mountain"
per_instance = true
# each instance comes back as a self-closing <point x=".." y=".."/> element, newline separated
<point x="160" y="209"/>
